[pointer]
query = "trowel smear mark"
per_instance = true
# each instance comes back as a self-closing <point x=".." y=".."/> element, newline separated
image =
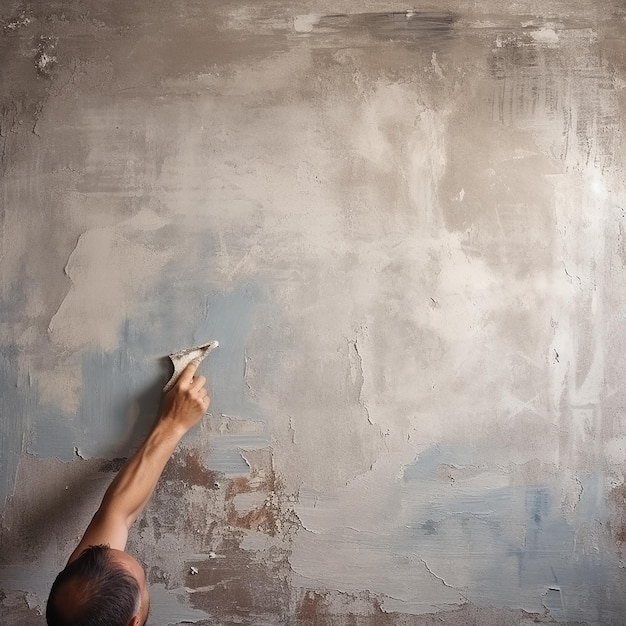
<point x="227" y="454"/>
<point x="18" y="394"/>
<point x="13" y="413"/>
<point x="407" y="26"/>
<point x="228" y="317"/>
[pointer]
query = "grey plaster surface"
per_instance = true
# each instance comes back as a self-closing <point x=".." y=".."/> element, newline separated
<point x="405" y="227"/>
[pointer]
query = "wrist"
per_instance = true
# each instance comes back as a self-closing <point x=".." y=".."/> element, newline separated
<point x="170" y="426"/>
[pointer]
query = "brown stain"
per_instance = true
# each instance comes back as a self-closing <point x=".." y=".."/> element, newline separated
<point x="238" y="588"/>
<point x="319" y="608"/>
<point x="617" y="500"/>
<point x="262" y="520"/>
<point x="331" y="608"/>
<point x="237" y="585"/>
<point x="262" y="478"/>
<point x="312" y="608"/>
<point x="187" y="466"/>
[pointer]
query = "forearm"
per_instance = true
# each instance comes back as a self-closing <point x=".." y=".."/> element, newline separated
<point x="182" y="407"/>
<point x="131" y="489"/>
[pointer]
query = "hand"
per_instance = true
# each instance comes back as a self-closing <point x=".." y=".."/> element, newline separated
<point x="188" y="400"/>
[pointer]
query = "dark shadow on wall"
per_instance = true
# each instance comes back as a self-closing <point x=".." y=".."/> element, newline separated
<point x="54" y="499"/>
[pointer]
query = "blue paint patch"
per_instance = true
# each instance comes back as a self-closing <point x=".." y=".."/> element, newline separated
<point x="226" y="453"/>
<point x="122" y="389"/>
<point x="426" y="463"/>
<point x="53" y="434"/>
<point x="514" y="542"/>
<point x="120" y="395"/>
<point x="229" y="318"/>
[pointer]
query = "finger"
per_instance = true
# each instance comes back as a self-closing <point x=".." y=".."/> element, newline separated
<point x="186" y="375"/>
<point x="197" y="383"/>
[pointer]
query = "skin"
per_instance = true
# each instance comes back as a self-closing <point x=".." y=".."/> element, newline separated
<point x="183" y="407"/>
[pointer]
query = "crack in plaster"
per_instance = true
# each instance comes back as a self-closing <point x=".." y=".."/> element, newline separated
<point x="245" y="370"/>
<point x="292" y="430"/>
<point x="441" y="580"/>
<point x="359" y="378"/>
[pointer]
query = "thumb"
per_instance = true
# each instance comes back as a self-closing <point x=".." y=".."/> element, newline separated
<point x="187" y="374"/>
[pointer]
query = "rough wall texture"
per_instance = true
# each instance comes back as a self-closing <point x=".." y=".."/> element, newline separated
<point x="405" y="228"/>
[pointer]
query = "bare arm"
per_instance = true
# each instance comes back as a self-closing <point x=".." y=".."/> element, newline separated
<point x="183" y="406"/>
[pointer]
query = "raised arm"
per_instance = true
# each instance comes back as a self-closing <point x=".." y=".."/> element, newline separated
<point x="183" y="406"/>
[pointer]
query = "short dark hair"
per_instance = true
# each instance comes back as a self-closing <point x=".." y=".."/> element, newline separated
<point x="107" y="595"/>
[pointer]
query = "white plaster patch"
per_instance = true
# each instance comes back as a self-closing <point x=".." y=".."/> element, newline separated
<point x="305" y="23"/>
<point x="171" y="606"/>
<point x="110" y="269"/>
<point x="245" y="502"/>
<point x="615" y="450"/>
<point x="546" y="36"/>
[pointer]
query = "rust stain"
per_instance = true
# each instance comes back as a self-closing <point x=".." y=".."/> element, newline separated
<point x="312" y="608"/>
<point x="237" y="585"/>
<point x="268" y="517"/>
<point x="187" y="466"/>
<point x="335" y="608"/>
<point x="263" y="519"/>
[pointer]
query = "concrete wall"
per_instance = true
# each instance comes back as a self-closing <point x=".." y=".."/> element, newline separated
<point x="405" y="228"/>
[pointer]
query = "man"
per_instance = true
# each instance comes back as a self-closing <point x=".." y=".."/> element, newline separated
<point x="101" y="584"/>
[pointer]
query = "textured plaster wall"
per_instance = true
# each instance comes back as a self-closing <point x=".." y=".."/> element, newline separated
<point x="405" y="228"/>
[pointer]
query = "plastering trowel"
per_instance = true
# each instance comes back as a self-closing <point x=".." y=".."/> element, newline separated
<point x="182" y="359"/>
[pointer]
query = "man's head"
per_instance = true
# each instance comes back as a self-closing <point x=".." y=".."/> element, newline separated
<point x="101" y="586"/>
